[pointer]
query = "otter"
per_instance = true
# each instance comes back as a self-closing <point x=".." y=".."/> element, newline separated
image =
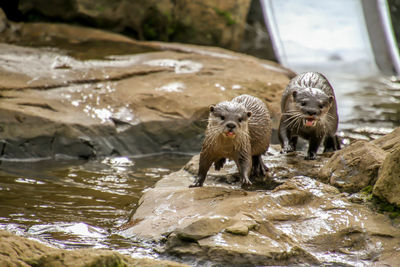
<point x="239" y="130"/>
<point x="309" y="110"/>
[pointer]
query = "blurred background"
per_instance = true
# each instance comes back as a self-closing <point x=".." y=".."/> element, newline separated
<point x="268" y="29"/>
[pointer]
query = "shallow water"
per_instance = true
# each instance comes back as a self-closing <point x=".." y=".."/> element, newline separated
<point x="73" y="204"/>
<point x="368" y="107"/>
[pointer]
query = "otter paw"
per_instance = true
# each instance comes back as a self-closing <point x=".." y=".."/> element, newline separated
<point x="195" y="185"/>
<point x="287" y="149"/>
<point x="310" y="156"/>
<point x="246" y="182"/>
<point x="259" y="171"/>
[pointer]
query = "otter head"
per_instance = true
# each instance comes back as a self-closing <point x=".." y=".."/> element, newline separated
<point x="313" y="104"/>
<point x="228" y="118"/>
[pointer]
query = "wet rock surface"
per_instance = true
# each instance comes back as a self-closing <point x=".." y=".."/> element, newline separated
<point x="361" y="164"/>
<point x="208" y="22"/>
<point x="19" y="251"/>
<point x="57" y="102"/>
<point x="388" y="185"/>
<point x="354" y="167"/>
<point x="290" y="218"/>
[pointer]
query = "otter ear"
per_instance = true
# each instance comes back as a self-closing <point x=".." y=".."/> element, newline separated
<point x="249" y="114"/>
<point x="212" y="107"/>
<point x="294" y="94"/>
<point x="331" y="99"/>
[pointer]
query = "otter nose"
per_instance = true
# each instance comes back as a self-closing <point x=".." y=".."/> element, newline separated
<point x="231" y="125"/>
<point x="311" y="112"/>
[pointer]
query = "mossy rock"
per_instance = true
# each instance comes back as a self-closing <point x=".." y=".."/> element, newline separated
<point x="387" y="186"/>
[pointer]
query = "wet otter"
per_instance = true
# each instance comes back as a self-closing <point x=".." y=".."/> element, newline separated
<point x="239" y="130"/>
<point x="309" y="110"/>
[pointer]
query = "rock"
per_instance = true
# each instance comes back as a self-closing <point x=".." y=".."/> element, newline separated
<point x="244" y="224"/>
<point x="20" y="251"/>
<point x="389" y="141"/>
<point x="387" y="186"/>
<point x="64" y="103"/>
<point x="15" y="250"/>
<point x="354" y="167"/>
<point x="300" y="221"/>
<point x="238" y="229"/>
<point x="3" y="21"/>
<point x="257" y="40"/>
<point x="207" y="22"/>
<point x="201" y="228"/>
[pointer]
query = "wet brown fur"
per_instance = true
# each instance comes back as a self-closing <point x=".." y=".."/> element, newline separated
<point x="309" y="96"/>
<point x="252" y="129"/>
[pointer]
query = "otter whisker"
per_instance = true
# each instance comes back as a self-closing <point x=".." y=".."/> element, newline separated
<point x="291" y="113"/>
<point x="329" y="117"/>
<point x="299" y="124"/>
<point x="293" y="120"/>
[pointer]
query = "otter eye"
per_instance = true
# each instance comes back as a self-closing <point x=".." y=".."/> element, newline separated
<point x="320" y="106"/>
<point x="303" y="103"/>
<point x="222" y="117"/>
<point x="240" y="120"/>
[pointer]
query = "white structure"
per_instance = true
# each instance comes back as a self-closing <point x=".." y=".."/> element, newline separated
<point x="351" y="35"/>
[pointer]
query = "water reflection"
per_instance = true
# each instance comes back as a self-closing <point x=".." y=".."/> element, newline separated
<point x="368" y="107"/>
<point x="78" y="203"/>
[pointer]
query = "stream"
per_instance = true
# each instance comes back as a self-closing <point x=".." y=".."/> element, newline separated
<point x="71" y="204"/>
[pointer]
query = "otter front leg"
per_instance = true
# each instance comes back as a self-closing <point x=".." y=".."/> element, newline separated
<point x="219" y="164"/>
<point x="331" y="143"/>
<point x="243" y="163"/>
<point x="258" y="168"/>
<point x="313" y="146"/>
<point x="204" y="166"/>
<point x="288" y="143"/>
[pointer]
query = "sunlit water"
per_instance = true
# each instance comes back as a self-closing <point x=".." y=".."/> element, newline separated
<point x="80" y="203"/>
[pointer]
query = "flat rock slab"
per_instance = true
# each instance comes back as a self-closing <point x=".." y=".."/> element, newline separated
<point x="299" y="221"/>
<point x="55" y="102"/>
<point x="20" y="251"/>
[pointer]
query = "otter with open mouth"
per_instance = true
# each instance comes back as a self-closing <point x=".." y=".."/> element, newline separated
<point x="239" y="130"/>
<point x="309" y="110"/>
